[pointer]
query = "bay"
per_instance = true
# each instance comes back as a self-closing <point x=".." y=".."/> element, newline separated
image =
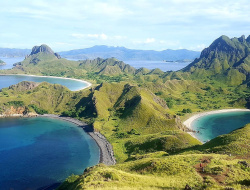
<point x="40" y="152"/>
<point x="213" y="125"/>
<point x="71" y="84"/>
<point x="163" y="65"/>
<point x="9" y="62"/>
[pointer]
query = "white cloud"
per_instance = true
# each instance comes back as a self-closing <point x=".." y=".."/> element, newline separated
<point x="90" y="36"/>
<point x="76" y="35"/>
<point x="101" y="36"/>
<point x="198" y="47"/>
<point x="148" y="24"/>
<point x="149" y="40"/>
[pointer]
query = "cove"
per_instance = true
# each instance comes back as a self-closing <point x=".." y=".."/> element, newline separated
<point x="213" y="125"/>
<point x="72" y="84"/>
<point x="36" y="153"/>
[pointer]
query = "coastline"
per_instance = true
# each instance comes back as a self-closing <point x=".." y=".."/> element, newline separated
<point x="79" y="80"/>
<point x="106" y="150"/>
<point x="188" y="122"/>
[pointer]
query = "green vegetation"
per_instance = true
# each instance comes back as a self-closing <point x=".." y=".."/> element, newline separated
<point x="38" y="110"/>
<point x="140" y="111"/>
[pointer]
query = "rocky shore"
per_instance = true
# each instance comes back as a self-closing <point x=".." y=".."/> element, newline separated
<point x="106" y="150"/>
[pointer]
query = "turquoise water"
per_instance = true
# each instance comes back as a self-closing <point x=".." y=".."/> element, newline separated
<point x="39" y="152"/>
<point x="211" y="126"/>
<point x="8" y="80"/>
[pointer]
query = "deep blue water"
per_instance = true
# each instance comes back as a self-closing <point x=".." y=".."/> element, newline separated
<point x="8" y="80"/>
<point x="211" y="126"/>
<point x="163" y="65"/>
<point x="38" y="152"/>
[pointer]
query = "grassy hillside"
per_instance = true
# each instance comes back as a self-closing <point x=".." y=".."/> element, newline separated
<point x="124" y="113"/>
<point x="160" y="170"/>
<point x="138" y="112"/>
<point x="236" y="143"/>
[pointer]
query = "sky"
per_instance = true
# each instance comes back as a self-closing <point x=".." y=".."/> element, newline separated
<point x="135" y="24"/>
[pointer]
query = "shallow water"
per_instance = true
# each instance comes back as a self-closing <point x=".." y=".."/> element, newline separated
<point x="211" y="126"/>
<point x="38" y="152"/>
<point x="8" y="80"/>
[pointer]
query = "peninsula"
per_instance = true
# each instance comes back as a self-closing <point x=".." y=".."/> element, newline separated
<point x="140" y="112"/>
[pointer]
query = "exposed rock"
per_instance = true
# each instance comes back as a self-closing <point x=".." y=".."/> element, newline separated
<point x="187" y="187"/>
<point x="24" y="85"/>
<point x="244" y="163"/>
<point x="57" y="55"/>
<point x="45" y="49"/>
<point x="180" y="124"/>
<point x="17" y="112"/>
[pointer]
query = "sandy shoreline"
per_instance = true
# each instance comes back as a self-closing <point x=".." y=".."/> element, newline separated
<point x="79" y="80"/>
<point x="188" y="122"/>
<point x="106" y="150"/>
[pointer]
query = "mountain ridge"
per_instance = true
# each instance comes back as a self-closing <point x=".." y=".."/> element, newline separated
<point x="226" y="60"/>
<point x="123" y="53"/>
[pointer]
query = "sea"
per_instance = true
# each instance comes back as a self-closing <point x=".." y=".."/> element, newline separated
<point x="213" y="125"/>
<point x="40" y="153"/>
<point x="163" y="65"/>
<point x="9" y="80"/>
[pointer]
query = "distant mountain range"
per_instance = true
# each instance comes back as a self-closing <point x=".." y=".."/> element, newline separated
<point x="8" y="52"/>
<point x="122" y="53"/>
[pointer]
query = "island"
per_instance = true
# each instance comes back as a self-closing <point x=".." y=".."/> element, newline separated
<point x="2" y="62"/>
<point x="140" y="112"/>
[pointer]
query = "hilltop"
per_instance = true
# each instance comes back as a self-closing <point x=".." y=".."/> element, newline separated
<point x="123" y="54"/>
<point x="139" y="111"/>
<point x="226" y="60"/>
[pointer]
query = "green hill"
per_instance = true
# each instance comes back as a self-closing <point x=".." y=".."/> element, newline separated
<point x="162" y="171"/>
<point x="226" y="60"/>
<point x="138" y="112"/>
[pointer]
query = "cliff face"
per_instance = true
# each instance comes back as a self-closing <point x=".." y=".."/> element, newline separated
<point x="44" y="49"/>
<point x="17" y="112"/>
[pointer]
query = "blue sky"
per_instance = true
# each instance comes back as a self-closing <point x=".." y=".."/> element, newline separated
<point x="135" y="24"/>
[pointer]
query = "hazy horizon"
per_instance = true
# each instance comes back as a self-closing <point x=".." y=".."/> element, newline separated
<point x="140" y="24"/>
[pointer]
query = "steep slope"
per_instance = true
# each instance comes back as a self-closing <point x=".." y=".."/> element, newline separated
<point x="226" y="60"/>
<point x="43" y="61"/>
<point x="184" y="171"/>
<point x="110" y="66"/>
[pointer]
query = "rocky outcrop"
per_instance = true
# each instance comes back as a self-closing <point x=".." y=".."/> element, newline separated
<point x="44" y="49"/>
<point x="17" y="112"/>
<point x="24" y="85"/>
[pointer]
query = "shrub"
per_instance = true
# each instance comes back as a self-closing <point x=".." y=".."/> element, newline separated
<point x="15" y="103"/>
<point x="38" y="110"/>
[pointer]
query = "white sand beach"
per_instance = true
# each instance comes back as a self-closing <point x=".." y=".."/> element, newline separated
<point x="79" y="80"/>
<point x="188" y="122"/>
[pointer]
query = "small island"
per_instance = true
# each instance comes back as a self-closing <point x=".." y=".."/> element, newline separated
<point x="2" y="62"/>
